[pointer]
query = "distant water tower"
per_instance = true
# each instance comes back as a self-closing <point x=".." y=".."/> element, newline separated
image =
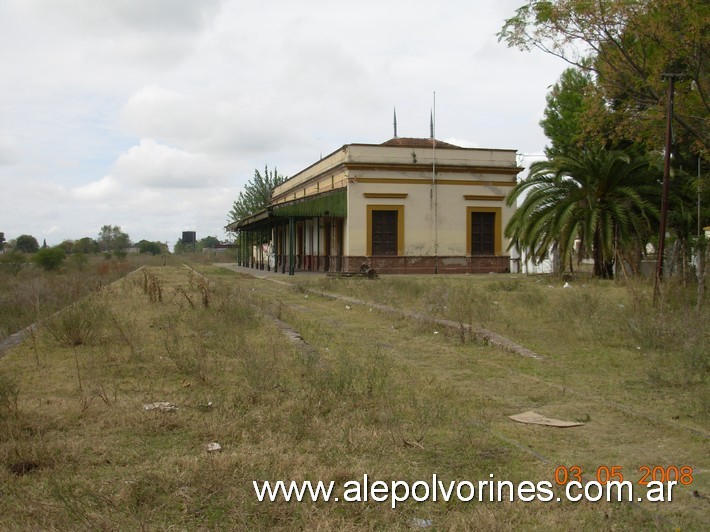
<point x="189" y="237"/>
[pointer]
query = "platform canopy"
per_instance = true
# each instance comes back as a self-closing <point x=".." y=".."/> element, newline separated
<point x="332" y="203"/>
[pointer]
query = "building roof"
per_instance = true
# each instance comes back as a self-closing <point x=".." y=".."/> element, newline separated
<point x="411" y="142"/>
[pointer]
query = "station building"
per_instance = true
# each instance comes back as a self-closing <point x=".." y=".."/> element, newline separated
<point x="408" y="205"/>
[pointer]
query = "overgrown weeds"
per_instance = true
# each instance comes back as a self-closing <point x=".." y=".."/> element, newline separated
<point x="372" y="394"/>
<point x="127" y="332"/>
<point x="189" y="353"/>
<point x="152" y="287"/>
<point x="470" y="306"/>
<point x="9" y="393"/>
<point x="79" y="324"/>
<point x="29" y="294"/>
<point x="674" y="333"/>
<point x="582" y="321"/>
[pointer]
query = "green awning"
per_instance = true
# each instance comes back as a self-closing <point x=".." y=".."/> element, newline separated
<point x="331" y="203"/>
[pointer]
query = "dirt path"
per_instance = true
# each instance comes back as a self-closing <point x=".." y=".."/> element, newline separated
<point x="14" y="339"/>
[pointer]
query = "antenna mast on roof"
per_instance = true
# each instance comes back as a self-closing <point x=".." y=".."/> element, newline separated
<point x="395" y="122"/>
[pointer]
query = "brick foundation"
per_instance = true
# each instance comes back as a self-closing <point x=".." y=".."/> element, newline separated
<point x="474" y="264"/>
<point x="428" y="265"/>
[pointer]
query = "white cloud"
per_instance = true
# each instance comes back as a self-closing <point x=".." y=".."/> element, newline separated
<point x="8" y="149"/>
<point x="208" y="123"/>
<point x="160" y="16"/>
<point x="104" y="189"/>
<point x="158" y="112"/>
<point x="158" y="166"/>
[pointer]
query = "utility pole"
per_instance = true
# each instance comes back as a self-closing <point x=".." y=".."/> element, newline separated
<point x="435" y="191"/>
<point x="666" y="179"/>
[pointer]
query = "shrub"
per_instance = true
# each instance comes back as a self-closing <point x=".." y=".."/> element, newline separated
<point x="77" y="324"/>
<point x="80" y="259"/>
<point x="12" y="261"/>
<point x="50" y="258"/>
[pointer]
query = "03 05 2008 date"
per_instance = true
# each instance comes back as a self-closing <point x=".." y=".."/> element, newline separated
<point x="680" y="474"/>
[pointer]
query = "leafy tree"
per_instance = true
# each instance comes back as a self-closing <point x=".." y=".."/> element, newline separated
<point x="209" y="242"/>
<point x="179" y="246"/>
<point x="203" y="243"/>
<point x="67" y="246"/>
<point x="562" y="122"/>
<point x="628" y="45"/>
<point x="2" y="240"/>
<point x="256" y="194"/>
<point x="182" y="247"/>
<point x="604" y="198"/>
<point x="154" y="248"/>
<point x="112" y="239"/>
<point x="26" y="244"/>
<point x="50" y="258"/>
<point x="85" y="245"/>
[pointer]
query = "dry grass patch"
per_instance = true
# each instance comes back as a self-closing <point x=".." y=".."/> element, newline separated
<point x="612" y="331"/>
<point x="376" y="394"/>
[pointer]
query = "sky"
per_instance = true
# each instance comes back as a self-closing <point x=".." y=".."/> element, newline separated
<point x="153" y="114"/>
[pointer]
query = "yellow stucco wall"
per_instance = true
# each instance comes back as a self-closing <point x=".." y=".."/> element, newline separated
<point x="436" y="218"/>
<point x="421" y="235"/>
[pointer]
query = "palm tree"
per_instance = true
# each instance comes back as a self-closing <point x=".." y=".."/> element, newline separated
<point x="601" y="197"/>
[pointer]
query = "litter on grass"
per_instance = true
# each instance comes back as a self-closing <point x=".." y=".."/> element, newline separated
<point x="161" y="406"/>
<point x="533" y="418"/>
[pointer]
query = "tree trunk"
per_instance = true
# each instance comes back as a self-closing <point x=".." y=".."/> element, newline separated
<point x="603" y="268"/>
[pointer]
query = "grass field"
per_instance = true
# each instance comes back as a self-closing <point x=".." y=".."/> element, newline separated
<point x="370" y="392"/>
<point x="28" y="293"/>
